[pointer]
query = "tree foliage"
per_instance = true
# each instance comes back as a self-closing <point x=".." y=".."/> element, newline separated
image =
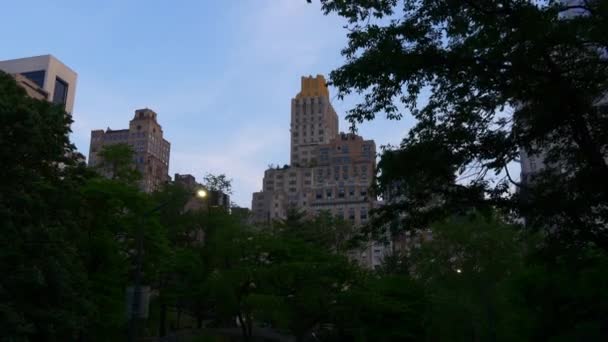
<point x="483" y="80"/>
<point x="117" y="162"/>
<point x="218" y="183"/>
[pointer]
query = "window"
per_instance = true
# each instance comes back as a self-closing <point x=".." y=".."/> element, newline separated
<point x="351" y="192"/>
<point x="328" y="193"/>
<point x="341" y="193"/>
<point x="363" y="193"/>
<point x="60" y="94"/>
<point x="36" y="77"/>
<point x="363" y="213"/>
<point x="319" y="195"/>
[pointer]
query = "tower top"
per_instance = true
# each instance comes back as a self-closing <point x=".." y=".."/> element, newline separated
<point x="313" y="86"/>
<point x="144" y="113"/>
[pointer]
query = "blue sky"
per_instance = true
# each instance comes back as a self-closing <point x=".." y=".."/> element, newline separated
<point x="220" y="74"/>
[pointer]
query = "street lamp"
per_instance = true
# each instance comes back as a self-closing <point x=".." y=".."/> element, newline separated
<point x="199" y="193"/>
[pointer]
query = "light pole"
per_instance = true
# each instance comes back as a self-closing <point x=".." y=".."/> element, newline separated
<point x="139" y="241"/>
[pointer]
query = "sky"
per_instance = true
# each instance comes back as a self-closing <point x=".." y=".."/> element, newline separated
<point x="220" y="74"/>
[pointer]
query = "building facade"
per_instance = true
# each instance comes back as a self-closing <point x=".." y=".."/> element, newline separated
<point x="313" y="120"/>
<point x="145" y="136"/>
<point x="329" y="171"/>
<point x="47" y="78"/>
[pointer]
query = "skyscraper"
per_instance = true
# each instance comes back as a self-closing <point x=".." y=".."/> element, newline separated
<point x="46" y="73"/>
<point x="145" y="136"/>
<point x="313" y="120"/>
<point x="329" y="171"/>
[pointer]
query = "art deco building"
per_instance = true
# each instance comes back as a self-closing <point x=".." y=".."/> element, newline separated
<point x="329" y="171"/>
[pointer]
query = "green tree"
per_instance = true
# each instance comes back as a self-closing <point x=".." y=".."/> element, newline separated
<point x="468" y="267"/>
<point x="482" y="81"/>
<point x="180" y="273"/>
<point x="388" y="308"/>
<point x="43" y="289"/>
<point x="117" y="162"/>
<point x="563" y="295"/>
<point x="110" y="213"/>
<point x="218" y="183"/>
<point x="324" y="230"/>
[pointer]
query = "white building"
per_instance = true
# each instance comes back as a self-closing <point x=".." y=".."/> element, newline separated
<point x="48" y="73"/>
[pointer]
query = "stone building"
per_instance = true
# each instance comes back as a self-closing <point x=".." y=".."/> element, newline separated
<point x="145" y="136"/>
<point x="329" y="171"/>
<point x="313" y="120"/>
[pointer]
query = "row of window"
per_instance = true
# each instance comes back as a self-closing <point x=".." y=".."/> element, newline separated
<point x="344" y="168"/>
<point x="309" y="100"/>
<point x="340" y="193"/>
<point x="351" y="214"/>
<point x="296" y="126"/>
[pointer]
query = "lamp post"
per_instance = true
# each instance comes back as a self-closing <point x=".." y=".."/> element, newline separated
<point x="139" y="241"/>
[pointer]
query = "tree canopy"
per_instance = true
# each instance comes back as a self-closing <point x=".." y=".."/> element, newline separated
<point x="482" y="81"/>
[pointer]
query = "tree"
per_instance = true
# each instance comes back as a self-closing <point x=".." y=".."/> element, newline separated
<point x="460" y="68"/>
<point x="469" y="268"/>
<point x="117" y="162"/>
<point x="44" y="287"/>
<point x="324" y="230"/>
<point x="180" y="273"/>
<point x="109" y="215"/>
<point x="388" y="308"/>
<point x="218" y="183"/>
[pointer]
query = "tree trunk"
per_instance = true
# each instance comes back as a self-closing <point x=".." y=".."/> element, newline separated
<point x="179" y="316"/>
<point x="243" y="327"/>
<point x="249" y="326"/>
<point x="199" y="320"/>
<point x="162" y="322"/>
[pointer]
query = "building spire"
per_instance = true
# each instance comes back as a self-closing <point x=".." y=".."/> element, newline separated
<point x="313" y="87"/>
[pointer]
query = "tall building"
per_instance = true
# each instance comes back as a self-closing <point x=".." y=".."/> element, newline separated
<point x="313" y="120"/>
<point x="145" y="136"/>
<point x="44" y="77"/>
<point x="329" y="171"/>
